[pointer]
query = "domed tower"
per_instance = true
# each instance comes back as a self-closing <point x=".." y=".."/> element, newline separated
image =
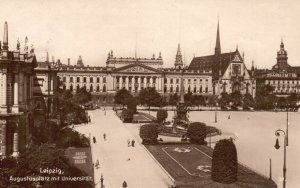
<point x="282" y="57"/>
<point x="178" y="59"/>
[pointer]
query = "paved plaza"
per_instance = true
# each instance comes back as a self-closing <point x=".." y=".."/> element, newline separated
<point x="118" y="162"/>
<point x="253" y="132"/>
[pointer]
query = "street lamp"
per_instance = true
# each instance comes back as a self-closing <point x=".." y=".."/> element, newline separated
<point x="277" y="146"/>
<point x="216" y="113"/>
<point x="287" y="126"/>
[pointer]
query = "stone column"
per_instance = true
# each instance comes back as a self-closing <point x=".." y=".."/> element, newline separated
<point x="4" y="93"/>
<point x="16" y="143"/>
<point x="139" y="83"/>
<point x="15" y="107"/>
<point x="3" y="137"/>
<point x="126" y="82"/>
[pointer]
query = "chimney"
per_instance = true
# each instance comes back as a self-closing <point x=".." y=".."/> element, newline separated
<point x="68" y="62"/>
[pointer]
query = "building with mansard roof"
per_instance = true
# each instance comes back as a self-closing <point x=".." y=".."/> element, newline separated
<point x="283" y="77"/>
<point x="135" y="74"/>
<point x="16" y="97"/>
<point x="229" y="72"/>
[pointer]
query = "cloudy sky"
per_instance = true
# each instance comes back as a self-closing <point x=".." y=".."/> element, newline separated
<point x="92" y="28"/>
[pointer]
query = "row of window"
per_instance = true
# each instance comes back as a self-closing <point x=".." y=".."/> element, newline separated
<point x="91" y="88"/>
<point x="85" y="79"/>
<point x="189" y="89"/>
<point x="177" y="80"/>
<point x="283" y="82"/>
<point x="130" y="79"/>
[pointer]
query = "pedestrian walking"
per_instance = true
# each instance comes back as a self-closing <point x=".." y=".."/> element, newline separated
<point x="128" y="142"/>
<point x="229" y="117"/>
<point x="104" y="136"/>
<point x="94" y="139"/>
<point x="132" y="143"/>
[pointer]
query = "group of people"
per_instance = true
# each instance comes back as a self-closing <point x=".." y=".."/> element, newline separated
<point x="104" y="138"/>
<point x="130" y="143"/>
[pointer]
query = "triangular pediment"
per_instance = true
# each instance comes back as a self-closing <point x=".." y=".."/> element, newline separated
<point x="136" y="68"/>
<point x="237" y="58"/>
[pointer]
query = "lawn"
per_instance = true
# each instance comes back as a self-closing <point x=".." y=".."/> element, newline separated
<point x="190" y="166"/>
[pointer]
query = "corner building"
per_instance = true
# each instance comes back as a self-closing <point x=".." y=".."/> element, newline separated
<point x="16" y="97"/>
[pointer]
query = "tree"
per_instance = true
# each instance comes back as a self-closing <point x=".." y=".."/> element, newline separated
<point x="150" y="97"/>
<point x="122" y="96"/>
<point x="45" y="156"/>
<point x="196" y="132"/>
<point x="149" y="133"/>
<point x="131" y="103"/>
<point x="224" y="162"/>
<point x="127" y="115"/>
<point x="161" y="115"/>
<point x="224" y="100"/>
<point x="188" y="97"/>
<point x="82" y="96"/>
<point x="198" y="100"/>
<point x="248" y="101"/>
<point x="265" y="99"/>
<point x="173" y="100"/>
<point x="236" y="98"/>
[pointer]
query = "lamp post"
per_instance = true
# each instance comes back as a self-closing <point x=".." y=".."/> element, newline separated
<point x="277" y="146"/>
<point x="216" y="113"/>
<point x="287" y="126"/>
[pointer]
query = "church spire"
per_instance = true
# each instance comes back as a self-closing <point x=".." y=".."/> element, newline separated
<point x="178" y="58"/>
<point x="218" y="45"/>
<point x="5" y="37"/>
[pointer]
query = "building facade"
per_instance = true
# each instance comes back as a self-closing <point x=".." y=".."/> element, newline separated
<point x="285" y="79"/>
<point x="229" y="72"/>
<point x="16" y="97"/>
<point x="134" y="74"/>
<point x="45" y="82"/>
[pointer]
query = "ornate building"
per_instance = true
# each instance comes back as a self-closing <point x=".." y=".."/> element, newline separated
<point x="45" y="84"/>
<point x="134" y="74"/>
<point x="284" y="78"/>
<point x="229" y="72"/>
<point x="16" y="97"/>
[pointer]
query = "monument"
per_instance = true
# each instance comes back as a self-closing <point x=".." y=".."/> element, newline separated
<point x="181" y="120"/>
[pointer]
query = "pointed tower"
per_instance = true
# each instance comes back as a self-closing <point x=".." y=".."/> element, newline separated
<point x="5" y="37"/>
<point x="218" y="43"/>
<point x="178" y="59"/>
<point x="282" y="57"/>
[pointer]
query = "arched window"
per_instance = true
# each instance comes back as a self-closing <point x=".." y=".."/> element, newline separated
<point x="71" y="87"/>
<point x="171" y="89"/>
<point x="91" y="88"/>
<point x="64" y="87"/>
<point x="195" y="89"/>
<point x="98" y="88"/>
<point x="77" y="87"/>
<point x="104" y="88"/>
<point x="189" y="89"/>
<point x="177" y="89"/>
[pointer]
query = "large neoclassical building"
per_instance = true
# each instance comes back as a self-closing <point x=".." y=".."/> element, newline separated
<point x="134" y="74"/>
